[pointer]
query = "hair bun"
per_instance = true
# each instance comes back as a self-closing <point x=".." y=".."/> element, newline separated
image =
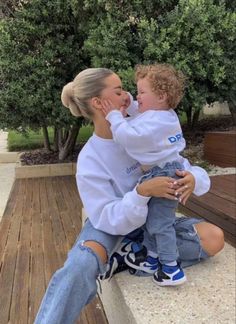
<point x="67" y="94"/>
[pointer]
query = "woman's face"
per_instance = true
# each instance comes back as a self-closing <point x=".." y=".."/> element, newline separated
<point x="114" y="92"/>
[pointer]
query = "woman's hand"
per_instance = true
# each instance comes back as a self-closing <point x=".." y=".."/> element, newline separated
<point x="158" y="187"/>
<point x="185" y="185"/>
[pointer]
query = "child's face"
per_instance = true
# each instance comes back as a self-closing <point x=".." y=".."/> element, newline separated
<point x="146" y="98"/>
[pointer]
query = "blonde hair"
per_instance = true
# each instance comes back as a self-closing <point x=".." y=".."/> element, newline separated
<point x="163" y="78"/>
<point x="87" y="84"/>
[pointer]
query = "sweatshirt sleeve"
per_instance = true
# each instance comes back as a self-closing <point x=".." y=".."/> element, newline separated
<point x="108" y="212"/>
<point x="133" y="138"/>
<point x="202" y="179"/>
<point x="132" y="110"/>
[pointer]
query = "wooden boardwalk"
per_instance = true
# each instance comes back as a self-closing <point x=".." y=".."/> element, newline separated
<point x="39" y="226"/>
<point x="218" y="206"/>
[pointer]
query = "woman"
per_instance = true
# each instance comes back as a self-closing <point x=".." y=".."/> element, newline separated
<point x="107" y="182"/>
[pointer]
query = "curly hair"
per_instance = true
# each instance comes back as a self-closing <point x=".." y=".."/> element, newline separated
<point x="163" y="78"/>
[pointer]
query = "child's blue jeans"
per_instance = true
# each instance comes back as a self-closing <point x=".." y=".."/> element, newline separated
<point x="161" y="215"/>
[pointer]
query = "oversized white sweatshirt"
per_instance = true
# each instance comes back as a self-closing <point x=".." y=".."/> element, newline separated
<point x="106" y="179"/>
<point x="151" y="138"/>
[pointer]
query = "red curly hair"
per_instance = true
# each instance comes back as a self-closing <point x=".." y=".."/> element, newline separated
<point x="163" y="78"/>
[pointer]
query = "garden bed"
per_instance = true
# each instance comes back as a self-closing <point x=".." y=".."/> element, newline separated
<point x="193" y="151"/>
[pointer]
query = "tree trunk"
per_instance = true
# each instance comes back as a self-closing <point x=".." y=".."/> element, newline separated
<point x="55" y="140"/>
<point x="46" y="141"/>
<point x="195" y="118"/>
<point x="67" y="148"/>
<point x="232" y="108"/>
<point x="189" y="117"/>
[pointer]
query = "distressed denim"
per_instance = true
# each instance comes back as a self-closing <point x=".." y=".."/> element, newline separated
<point x="74" y="285"/>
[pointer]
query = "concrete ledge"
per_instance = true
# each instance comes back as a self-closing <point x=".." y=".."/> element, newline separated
<point x="207" y="297"/>
<point x="9" y="157"/>
<point x="44" y="170"/>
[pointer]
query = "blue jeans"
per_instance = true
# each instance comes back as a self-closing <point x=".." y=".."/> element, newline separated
<point x="161" y="215"/>
<point x="74" y="285"/>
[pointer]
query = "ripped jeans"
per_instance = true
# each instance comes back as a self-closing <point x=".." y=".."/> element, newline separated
<point x="74" y="285"/>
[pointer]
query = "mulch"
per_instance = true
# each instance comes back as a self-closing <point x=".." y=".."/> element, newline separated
<point x="194" y="140"/>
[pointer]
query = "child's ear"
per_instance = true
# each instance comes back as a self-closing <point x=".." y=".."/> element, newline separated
<point x="162" y="96"/>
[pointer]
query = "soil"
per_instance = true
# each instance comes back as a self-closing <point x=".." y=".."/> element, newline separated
<point x="194" y="144"/>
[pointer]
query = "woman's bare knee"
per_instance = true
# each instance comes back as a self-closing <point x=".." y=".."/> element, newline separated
<point x="211" y="236"/>
<point x="98" y="249"/>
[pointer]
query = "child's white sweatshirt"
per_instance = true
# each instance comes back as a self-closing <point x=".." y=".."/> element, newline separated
<point x="106" y="179"/>
<point x="153" y="137"/>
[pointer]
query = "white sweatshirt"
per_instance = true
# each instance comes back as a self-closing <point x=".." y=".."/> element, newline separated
<point x="152" y="138"/>
<point x="106" y="179"/>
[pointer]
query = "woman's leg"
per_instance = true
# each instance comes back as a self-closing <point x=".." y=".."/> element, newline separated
<point x="74" y="285"/>
<point x="211" y="237"/>
<point x="197" y="240"/>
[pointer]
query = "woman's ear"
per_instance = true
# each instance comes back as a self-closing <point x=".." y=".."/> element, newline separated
<point x="96" y="103"/>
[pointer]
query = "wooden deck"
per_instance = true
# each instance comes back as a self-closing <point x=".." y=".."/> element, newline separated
<point x="39" y="226"/>
<point x="218" y="206"/>
<point x="220" y="148"/>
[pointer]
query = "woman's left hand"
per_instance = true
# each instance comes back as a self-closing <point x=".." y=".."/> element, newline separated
<point x="186" y="185"/>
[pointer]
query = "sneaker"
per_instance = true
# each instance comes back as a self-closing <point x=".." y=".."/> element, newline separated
<point x="169" y="275"/>
<point x="139" y="260"/>
<point x="116" y="262"/>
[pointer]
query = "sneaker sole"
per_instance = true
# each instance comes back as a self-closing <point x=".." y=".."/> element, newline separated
<point x="170" y="283"/>
<point x="133" y="266"/>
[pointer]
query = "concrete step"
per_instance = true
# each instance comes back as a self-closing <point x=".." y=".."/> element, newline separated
<point x="207" y="297"/>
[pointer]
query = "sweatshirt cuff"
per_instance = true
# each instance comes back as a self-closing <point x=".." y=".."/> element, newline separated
<point x="138" y="199"/>
<point x="113" y="114"/>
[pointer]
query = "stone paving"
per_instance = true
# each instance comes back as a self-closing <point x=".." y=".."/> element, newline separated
<point x="7" y="174"/>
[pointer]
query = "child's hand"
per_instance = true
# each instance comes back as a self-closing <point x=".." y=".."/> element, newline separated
<point x="126" y="104"/>
<point x="107" y="107"/>
<point x="186" y="185"/>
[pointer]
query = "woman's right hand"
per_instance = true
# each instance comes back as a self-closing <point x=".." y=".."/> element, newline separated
<point x="158" y="187"/>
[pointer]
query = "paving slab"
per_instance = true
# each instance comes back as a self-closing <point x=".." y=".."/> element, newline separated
<point x="7" y="176"/>
<point x="3" y="141"/>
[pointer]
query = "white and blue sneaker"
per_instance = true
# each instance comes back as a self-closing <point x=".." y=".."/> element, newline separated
<point x="116" y="262"/>
<point x="138" y="259"/>
<point x="169" y="275"/>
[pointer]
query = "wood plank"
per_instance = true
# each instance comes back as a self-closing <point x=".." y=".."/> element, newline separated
<point x="51" y="262"/>
<point x="219" y="220"/>
<point x="93" y="313"/>
<point x="220" y="148"/>
<point x="10" y="257"/>
<point x="216" y="204"/>
<point x="73" y="202"/>
<point x="224" y="183"/>
<point x="43" y="197"/>
<point x="19" y="302"/>
<point x="37" y="285"/>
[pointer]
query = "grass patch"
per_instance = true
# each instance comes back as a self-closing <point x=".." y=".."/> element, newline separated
<point x="34" y="140"/>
